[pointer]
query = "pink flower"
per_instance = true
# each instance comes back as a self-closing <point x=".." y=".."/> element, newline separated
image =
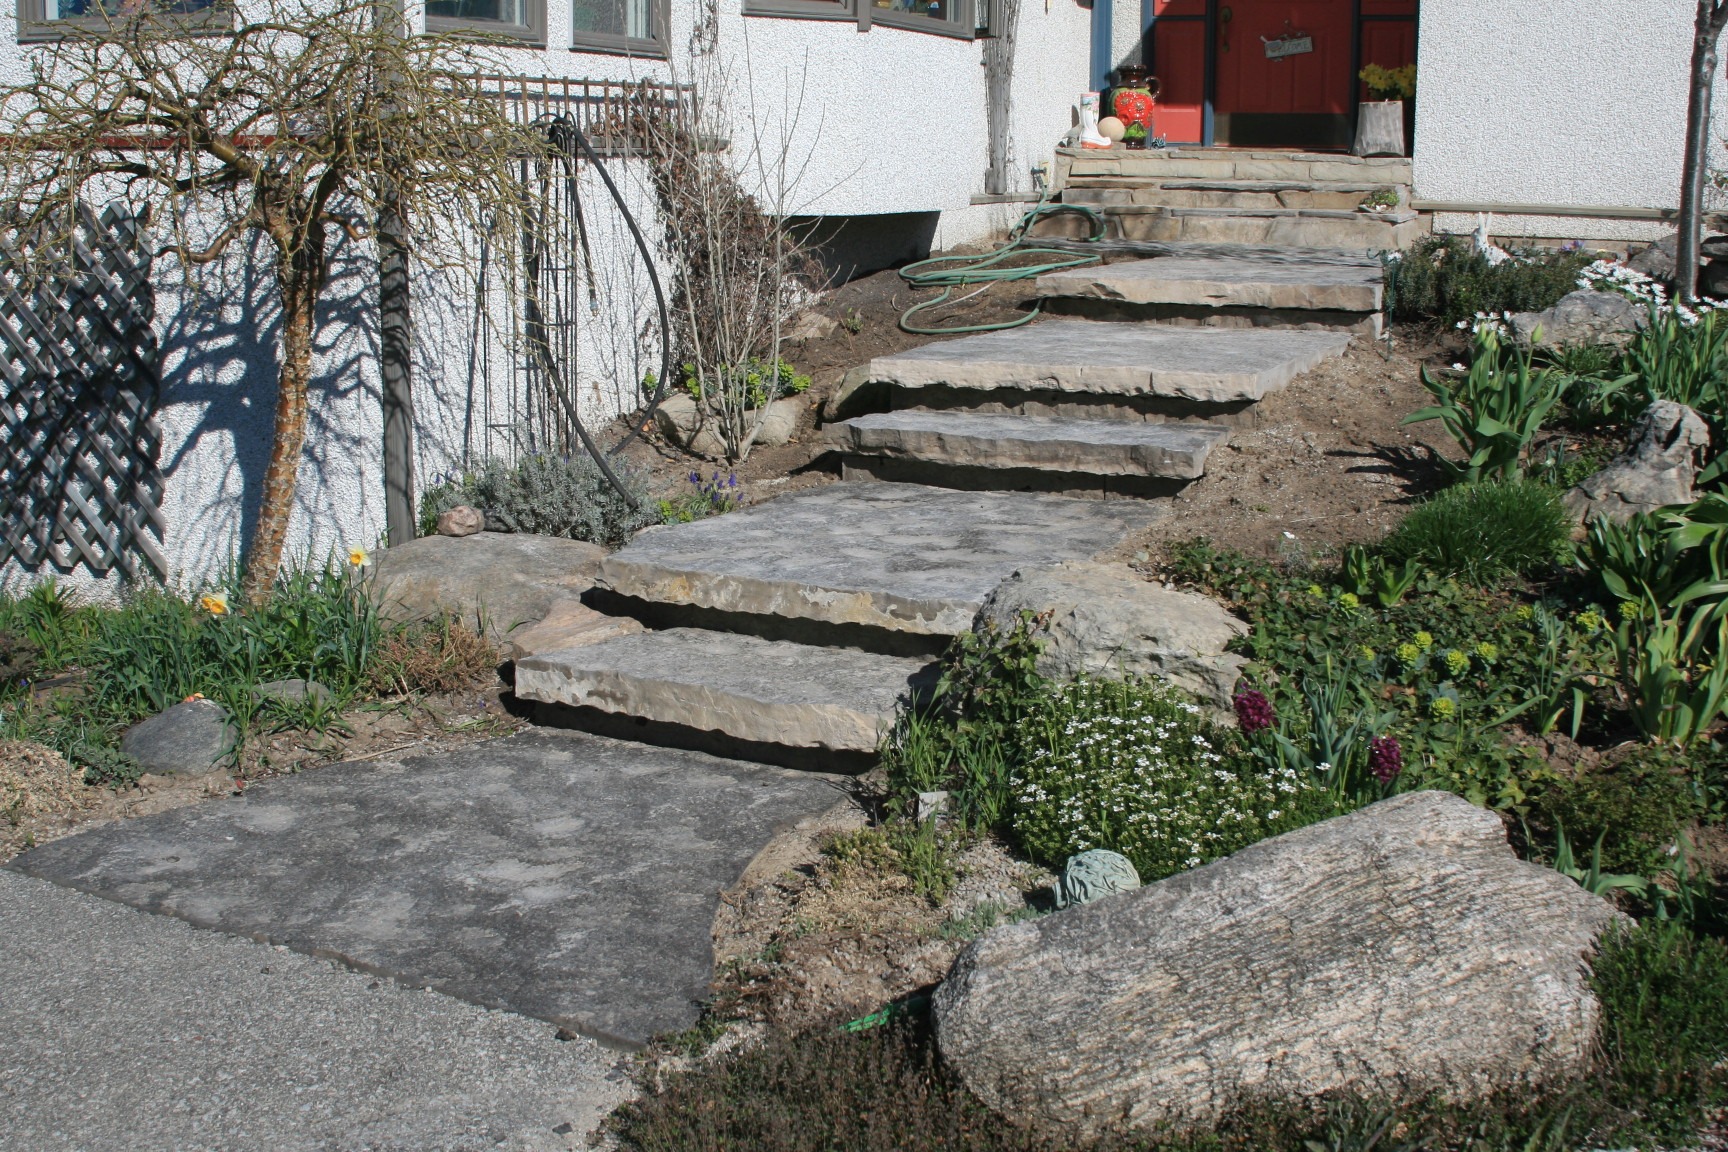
<point x="1385" y="758"/>
<point x="1254" y="711"/>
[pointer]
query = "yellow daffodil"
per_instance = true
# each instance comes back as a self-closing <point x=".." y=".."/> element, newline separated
<point x="215" y="603"/>
<point x="358" y="557"/>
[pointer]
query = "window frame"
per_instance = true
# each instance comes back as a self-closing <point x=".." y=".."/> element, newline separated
<point x="34" y="27"/>
<point x="650" y="47"/>
<point x="804" y="9"/>
<point x="532" y="34"/>
<point x="966" y="28"/>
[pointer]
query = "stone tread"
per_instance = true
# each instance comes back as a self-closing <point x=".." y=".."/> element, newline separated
<point x="902" y="558"/>
<point x="767" y="691"/>
<point x="1224" y="281"/>
<point x="1001" y="440"/>
<point x="1208" y="365"/>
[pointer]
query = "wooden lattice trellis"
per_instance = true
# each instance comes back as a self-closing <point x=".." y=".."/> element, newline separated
<point x="79" y="445"/>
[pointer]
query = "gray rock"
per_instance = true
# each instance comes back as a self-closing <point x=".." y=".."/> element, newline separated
<point x="1658" y="259"/>
<point x="498" y="580"/>
<point x="681" y="422"/>
<point x="295" y="691"/>
<point x="1207" y="365"/>
<point x="765" y="691"/>
<point x="1106" y="621"/>
<point x="1398" y="951"/>
<point x="461" y="521"/>
<point x="899" y="557"/>
<point x="568" y="624"/>
<point x="1225" y="281"/>
<point x="1713" y="278"/>
<point x="1582" y="317"/>
<point x="1093" y="875"/>
<point x="191" y="739"/>
<point x="811" y="325"/>
<point x="1003" y="440"/>
<point x="1658" y="469"/>
<point x="1715" y="248"/>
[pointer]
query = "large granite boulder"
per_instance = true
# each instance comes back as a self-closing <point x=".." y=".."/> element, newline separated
<point x="1586" y="316"/>
<point x="1399" y="951"/>
<point x="1658" y="469"/>
<point x="500" y="580"/>
<point x="1107" y="621"/>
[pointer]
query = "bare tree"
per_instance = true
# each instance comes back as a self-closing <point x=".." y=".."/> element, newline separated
<point x="1707" y="35"/>
<point x="301" y="124"/>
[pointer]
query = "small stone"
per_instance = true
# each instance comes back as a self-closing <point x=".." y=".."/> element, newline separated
<point x="461" y="521"/>
<point x="1713" y="278"/>
<point x="294" y="691"/>
<point x="1657" y="470"/>
<point x="1091" y="875"/>
<point x="683" y="423"/>
<point x="1658" y="259"/>
<point x="1716" y="248"/>
<point x="931" y="805"/>
<point x="811" y="326"/>
<point x="189" y="739"/>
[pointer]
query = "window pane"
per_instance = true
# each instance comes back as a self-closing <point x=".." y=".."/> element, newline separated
<point x="498" y="11"/>
<point x="77" y="9"/>
<point x="633" y="18"/>
<point x="944" y="10"/>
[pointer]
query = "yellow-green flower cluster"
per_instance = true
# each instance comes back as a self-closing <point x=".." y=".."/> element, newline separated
<point x="1442" y="708"/>
<point x="1456" y="662"/>
<point x="1424" y="640"/>
<point x="1408" y="653"/>
<point x="1487" y="653"/>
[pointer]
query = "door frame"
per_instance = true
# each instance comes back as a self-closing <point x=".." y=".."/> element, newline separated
<point x="1149" y="21"/>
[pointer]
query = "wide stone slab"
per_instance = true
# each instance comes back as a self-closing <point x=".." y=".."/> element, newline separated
<point x="1225" y="281"/>
<point x="898" y="557"/>
<point x="1001" y="440"/>
<point x="497" y="581"/>
<point x="767" y="691"/>
<point x="556" y="874"/>
<point x="1209" y="365"/>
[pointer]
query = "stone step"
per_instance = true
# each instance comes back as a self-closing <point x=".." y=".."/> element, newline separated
<point x="1229" y="164"/>
<point x="1346" y="195"/>
<point x="1335" y="228"/>
<point x="893" y="559"/>
<point x="994" y="440"/>
<point x="1206" y="365"/>
<point x="1224" y="281"/>
<point x="745" y="688"/>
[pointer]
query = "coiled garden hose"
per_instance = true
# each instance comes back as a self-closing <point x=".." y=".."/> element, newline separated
<point x="951" y="272"/>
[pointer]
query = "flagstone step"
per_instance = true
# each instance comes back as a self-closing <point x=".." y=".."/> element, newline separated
<point x="898" y="559"/>
<point x="996" y="440"/>
<point x="1206" y="365"/>
<point x="1224" y="281"/>
<point x="760" y="691"/>
<point x="1075" y="164"/>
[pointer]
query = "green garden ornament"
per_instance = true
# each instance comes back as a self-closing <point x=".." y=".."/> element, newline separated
<point x="1093" y="874"/>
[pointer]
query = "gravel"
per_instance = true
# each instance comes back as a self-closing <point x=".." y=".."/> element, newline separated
<point x="122" y="1030"/>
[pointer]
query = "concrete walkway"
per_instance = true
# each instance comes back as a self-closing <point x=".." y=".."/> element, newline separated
<point x="564" y="876"/>
<point x="122" y="1032"/>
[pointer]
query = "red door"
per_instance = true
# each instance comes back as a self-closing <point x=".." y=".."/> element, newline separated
<point x="1309" y="83"/>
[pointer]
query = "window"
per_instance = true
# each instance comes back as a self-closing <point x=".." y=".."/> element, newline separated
<point x="524" y="19"/>
<point x="802" y="9"/>
<point x="947" y="17"/>
<point x="632" y="27"/>
<point x="44" y="19"/>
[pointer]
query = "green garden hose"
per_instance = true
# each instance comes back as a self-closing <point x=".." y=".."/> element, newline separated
<point x="951" y="272"/>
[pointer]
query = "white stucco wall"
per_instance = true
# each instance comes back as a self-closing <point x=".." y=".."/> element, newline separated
<point x="889" y="121"/>
<point x="1555" y="102"/>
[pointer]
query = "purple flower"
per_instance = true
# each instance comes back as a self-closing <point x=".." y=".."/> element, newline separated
<point x="1385" y="758"/>
<point x="1253" y="711"/>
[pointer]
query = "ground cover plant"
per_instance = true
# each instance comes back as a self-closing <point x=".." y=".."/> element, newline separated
<point x="1445" y="278"/>
<point x="549" y="495"/>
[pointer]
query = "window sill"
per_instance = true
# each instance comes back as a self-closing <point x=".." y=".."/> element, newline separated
<point x="800" y="10"/>
<point x="912" y="22"/>
<point x="526" y="37"/>
<point x="621" y="46"/>
<point x="216" y="21"/>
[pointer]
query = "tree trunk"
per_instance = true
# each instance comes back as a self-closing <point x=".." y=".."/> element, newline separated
<point x="299" y="279"/>
<point x="1712" y="14"/>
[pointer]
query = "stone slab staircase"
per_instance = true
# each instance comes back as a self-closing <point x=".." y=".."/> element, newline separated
<point x="790" y="631"/>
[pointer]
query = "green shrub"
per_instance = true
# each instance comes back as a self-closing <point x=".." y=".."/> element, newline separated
<point x="1133" y="768"/>
<point x="1481" y="532"/>
<point x="1637" y="807"/>
<point x="1664" y="996"/>
<point x="1444" y="278"/>
<point x="548" y="495"/>
<point x="758" y="381"/>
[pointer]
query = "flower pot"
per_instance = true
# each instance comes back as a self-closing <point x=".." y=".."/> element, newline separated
<point x="1379" y="128"/>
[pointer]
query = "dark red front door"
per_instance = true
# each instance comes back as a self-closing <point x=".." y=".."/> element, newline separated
<point x="1251" y="81"/>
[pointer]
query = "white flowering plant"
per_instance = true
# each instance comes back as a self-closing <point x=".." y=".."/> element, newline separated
<point x="1135" y="768"/>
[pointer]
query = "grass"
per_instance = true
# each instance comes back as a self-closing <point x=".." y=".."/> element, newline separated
<point x="1483" y="532"/>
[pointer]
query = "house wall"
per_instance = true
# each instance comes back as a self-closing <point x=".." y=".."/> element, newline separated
<point x="887" y="122"/>
<point x="1554" y="102"/>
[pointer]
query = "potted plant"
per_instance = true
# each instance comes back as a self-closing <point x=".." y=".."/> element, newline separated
<point x="1380" y="118"/>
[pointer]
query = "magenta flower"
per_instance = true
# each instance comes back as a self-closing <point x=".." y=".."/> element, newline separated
<point x="1385" y="758"/>
<point x="1253" y="711"/>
